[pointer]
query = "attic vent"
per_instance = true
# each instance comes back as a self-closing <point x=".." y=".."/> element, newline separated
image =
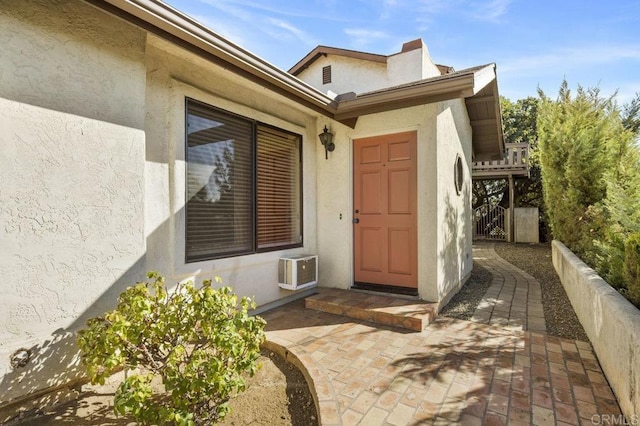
<point x="326" y="74"/>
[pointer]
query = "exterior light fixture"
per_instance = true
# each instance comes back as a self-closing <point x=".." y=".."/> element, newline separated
<point x="326" y="138"/>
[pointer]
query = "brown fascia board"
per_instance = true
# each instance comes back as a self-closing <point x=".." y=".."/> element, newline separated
<point x="494" y="86"/>
<point x="411" y="45"/>
<point x="445" y="69"/>
<point x="171" y="24"/>
<point x="319" y="51"/>
<point x="451" y="86"/>
<point x="174" y="26"/>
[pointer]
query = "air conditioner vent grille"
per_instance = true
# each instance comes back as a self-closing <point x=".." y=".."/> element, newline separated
<point x="297" y="272"/>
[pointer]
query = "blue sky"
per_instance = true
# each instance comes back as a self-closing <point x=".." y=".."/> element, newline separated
<point x="535" y="43"/>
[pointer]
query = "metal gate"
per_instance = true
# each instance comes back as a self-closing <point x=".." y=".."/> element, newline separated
<point x="490" y="223"/>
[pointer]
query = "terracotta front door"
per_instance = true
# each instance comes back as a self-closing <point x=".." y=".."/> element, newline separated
<point x="385" y="230"/>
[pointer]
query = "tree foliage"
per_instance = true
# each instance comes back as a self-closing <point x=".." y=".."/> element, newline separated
<point x="632" y="267"/>
<point x="591" y="178"/>
<point x="631" y="115"/>
<point x="519" y="121"/>
<point x="197" y="342"/>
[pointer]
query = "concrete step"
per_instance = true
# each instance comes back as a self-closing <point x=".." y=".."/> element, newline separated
<point x="410" y="314"/>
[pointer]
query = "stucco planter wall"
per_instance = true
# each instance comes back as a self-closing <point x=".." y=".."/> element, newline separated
<point x="611" y="322"/>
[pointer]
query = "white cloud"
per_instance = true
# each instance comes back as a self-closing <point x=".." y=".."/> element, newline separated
<point x="488" y="10"/>
<point x="282" y="29"/>
<point x="564" y="59"/>
<point x="248" y="34"/>
<point x="589" y="66"/>
<point x="360" y="37"/>
<point x="491" y="11"/>
<point x="230" y="9"/>
<point x="230" y="32"/>
<point x="243" y="8"/>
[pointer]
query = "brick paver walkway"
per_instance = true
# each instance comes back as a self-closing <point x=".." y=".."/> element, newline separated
<point x="453" y="372"/>
<point x="514" y="298"/>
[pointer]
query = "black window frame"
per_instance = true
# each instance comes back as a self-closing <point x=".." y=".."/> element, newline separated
<point x="254" y="186"/>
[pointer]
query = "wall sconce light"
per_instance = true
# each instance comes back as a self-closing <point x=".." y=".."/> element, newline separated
<point x="326" y="138"/>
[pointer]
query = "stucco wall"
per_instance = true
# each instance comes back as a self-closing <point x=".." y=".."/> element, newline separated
<point x="454" y="232"/>
<point x="611" y="322"/>
<point x="526" y="224"/>
<point x="359" y="76"/>
<point x="174" y="75"/>
<point x="93" y="172"/>
<point x="410" y="66"/>
<point x="71" y="166"/>
<point x="335" y="194"/>
<point x="347" y="75"/>
<point x="444" y="217"/>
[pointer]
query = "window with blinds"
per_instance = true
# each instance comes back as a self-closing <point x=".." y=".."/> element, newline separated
<point x="278" y="192"/>
<point x="243" y="185"/>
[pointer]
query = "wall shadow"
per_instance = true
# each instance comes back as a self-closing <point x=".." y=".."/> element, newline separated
<point x="457" y="243"/>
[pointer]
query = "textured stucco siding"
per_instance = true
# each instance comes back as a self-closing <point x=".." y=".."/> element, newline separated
<point x="71" y="166"/>
<point x="335" y="194"/>
<point x="444" y="217"/>
<point x="174" y="75"/>
<point x="92" y="112"/>
<point x="410" y="66"/>
<point x="454" y="233"/>
<point x="359" y="75"/>
<point x="347" y="75"/>
<point x="611" y="322"/>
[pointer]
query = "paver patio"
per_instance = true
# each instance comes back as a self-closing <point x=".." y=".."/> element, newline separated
<point x="453" y="371"/>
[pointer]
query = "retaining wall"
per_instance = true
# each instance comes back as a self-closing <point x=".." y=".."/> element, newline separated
<point x="611" y="322"/>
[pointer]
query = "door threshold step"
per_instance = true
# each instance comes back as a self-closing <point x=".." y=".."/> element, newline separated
<point x="412" y="315"/>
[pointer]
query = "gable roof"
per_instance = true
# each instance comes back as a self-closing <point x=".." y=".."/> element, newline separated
<point x="174" y="26"/>
<point x="320" y="51"/>
<point x="477" y="86"/>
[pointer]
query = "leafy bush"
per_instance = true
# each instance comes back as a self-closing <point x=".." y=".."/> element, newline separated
<point x="591" y="179"/>
<point x="576" y="138"/>
<point x="197" y="342"/>
<point x="632" y="267"/>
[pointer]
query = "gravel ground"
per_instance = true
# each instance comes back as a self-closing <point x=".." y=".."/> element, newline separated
<point x="464" y="303"/>
<point x="535" y="259"/>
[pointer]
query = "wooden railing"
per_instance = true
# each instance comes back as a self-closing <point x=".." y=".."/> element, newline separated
<point x="515" y="163"/>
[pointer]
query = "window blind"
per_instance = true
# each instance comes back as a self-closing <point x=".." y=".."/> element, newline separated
<point x="278" y="188"/>
<point x="219" y="210"/>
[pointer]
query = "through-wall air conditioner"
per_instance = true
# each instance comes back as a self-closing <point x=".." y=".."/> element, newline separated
<point x="298" y="271"/>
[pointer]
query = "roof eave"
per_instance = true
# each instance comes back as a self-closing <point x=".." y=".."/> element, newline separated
<point x="169" y="21"/>
<point x="160" y="18"/>
<point x="319" y="51"/>
<point x="486" y="122"/>
<point x="466" y="85"/>
<point x="457" y="87"/>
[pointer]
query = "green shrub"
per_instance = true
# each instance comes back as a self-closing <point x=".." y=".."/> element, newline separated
<point x="632" y="268"/>
<point x="197" y="342"/>
<point x="577" y="135"/>
<point x="591" y="179"/>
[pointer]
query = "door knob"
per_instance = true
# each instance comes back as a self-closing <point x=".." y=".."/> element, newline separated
<point x="356" y="220"/>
